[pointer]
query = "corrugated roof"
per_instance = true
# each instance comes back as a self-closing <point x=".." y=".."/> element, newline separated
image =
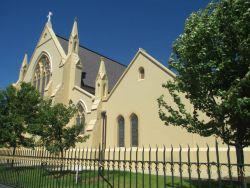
<point x="91" y="62"/>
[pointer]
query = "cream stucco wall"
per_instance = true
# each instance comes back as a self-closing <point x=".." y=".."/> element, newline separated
<point x="133" y="95"/>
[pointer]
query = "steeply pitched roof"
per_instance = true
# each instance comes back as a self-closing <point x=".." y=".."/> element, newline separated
<point x="91" y="62"/>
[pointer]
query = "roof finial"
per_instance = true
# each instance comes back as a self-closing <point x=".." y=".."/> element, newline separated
<point x="49" y="16"/>
<point x="75" y="19"/>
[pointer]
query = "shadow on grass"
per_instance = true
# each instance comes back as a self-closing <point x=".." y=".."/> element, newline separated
<point x="41" y="177"/>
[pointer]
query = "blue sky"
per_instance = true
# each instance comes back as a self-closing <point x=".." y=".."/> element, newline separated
<point x="113" y="28"/>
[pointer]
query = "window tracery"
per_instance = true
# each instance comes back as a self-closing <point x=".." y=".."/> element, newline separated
<point x="42" y="74"/>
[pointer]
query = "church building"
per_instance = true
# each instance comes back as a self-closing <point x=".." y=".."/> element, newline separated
<point x="117" y="103"/>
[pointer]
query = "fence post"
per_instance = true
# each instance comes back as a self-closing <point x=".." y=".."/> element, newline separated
<point x="136" y="166"/>
<point x="119" y="165"/>
<point x="157" y="167"/>
<point x="86" y="166"/>
<point x="143" y="167"/>
<point x="108" y="163"/>
<point x="95" y="162"/>
<point x="172" y="166"/>
<point x="164" y="165"/>
<point x="99" y="166"/>
<point x="189" y="167"/>
<point x="198" y="165"/>
<point x="124" y="167"/>
<point x="149" y="166"/>
<point x="180" y="164"/>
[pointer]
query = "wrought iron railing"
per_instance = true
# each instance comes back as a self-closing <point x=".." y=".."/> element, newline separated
<point x="124" y="167"/>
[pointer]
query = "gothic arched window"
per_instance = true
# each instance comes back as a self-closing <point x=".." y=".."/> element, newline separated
<point x="80" y="118"/>
<point x="121" y="132"/>
<point x="42" y="74"/>
<point x="134" y="130"/>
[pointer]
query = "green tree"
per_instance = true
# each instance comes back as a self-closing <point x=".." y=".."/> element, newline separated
<point x="52" y="127"/>
<point x="212" y="61"/>
<point x="18" y="110"/>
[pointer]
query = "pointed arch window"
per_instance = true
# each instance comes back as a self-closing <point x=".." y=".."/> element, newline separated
<point x="42" y="74"/>
<point x="134" y="130"/>
<point x="121" y="131"/>
<point x="80" y="118"/>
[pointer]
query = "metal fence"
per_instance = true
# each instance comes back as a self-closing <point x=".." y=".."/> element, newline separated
<point x="123" y="167"/>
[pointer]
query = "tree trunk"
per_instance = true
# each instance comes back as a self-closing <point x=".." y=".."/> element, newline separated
<point x="13" y="154"/>
<point x="61" y="164"/>
<point x="240" y="164"/>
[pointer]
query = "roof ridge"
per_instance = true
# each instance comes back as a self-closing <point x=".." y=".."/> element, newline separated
<point x="93" y="51"/>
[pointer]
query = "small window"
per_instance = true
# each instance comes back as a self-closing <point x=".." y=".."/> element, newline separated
<point x="141" y="73"/>
<point x="103" y="92"/>
<point x="75" y="45"/>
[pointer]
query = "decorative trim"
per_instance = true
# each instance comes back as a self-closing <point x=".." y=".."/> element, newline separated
<point x="83" y="91"/>
<point x="44" y="42"/>
<point x="83" y="104"/>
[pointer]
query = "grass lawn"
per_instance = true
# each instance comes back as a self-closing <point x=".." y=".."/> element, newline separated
<point x="40" y="178"/>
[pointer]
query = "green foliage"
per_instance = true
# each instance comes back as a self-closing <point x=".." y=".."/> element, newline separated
<point x="18" y="110"/>
<point x="212" y="61"/>
<point x="25" y="117"/>
<point x="52" y="127"/>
